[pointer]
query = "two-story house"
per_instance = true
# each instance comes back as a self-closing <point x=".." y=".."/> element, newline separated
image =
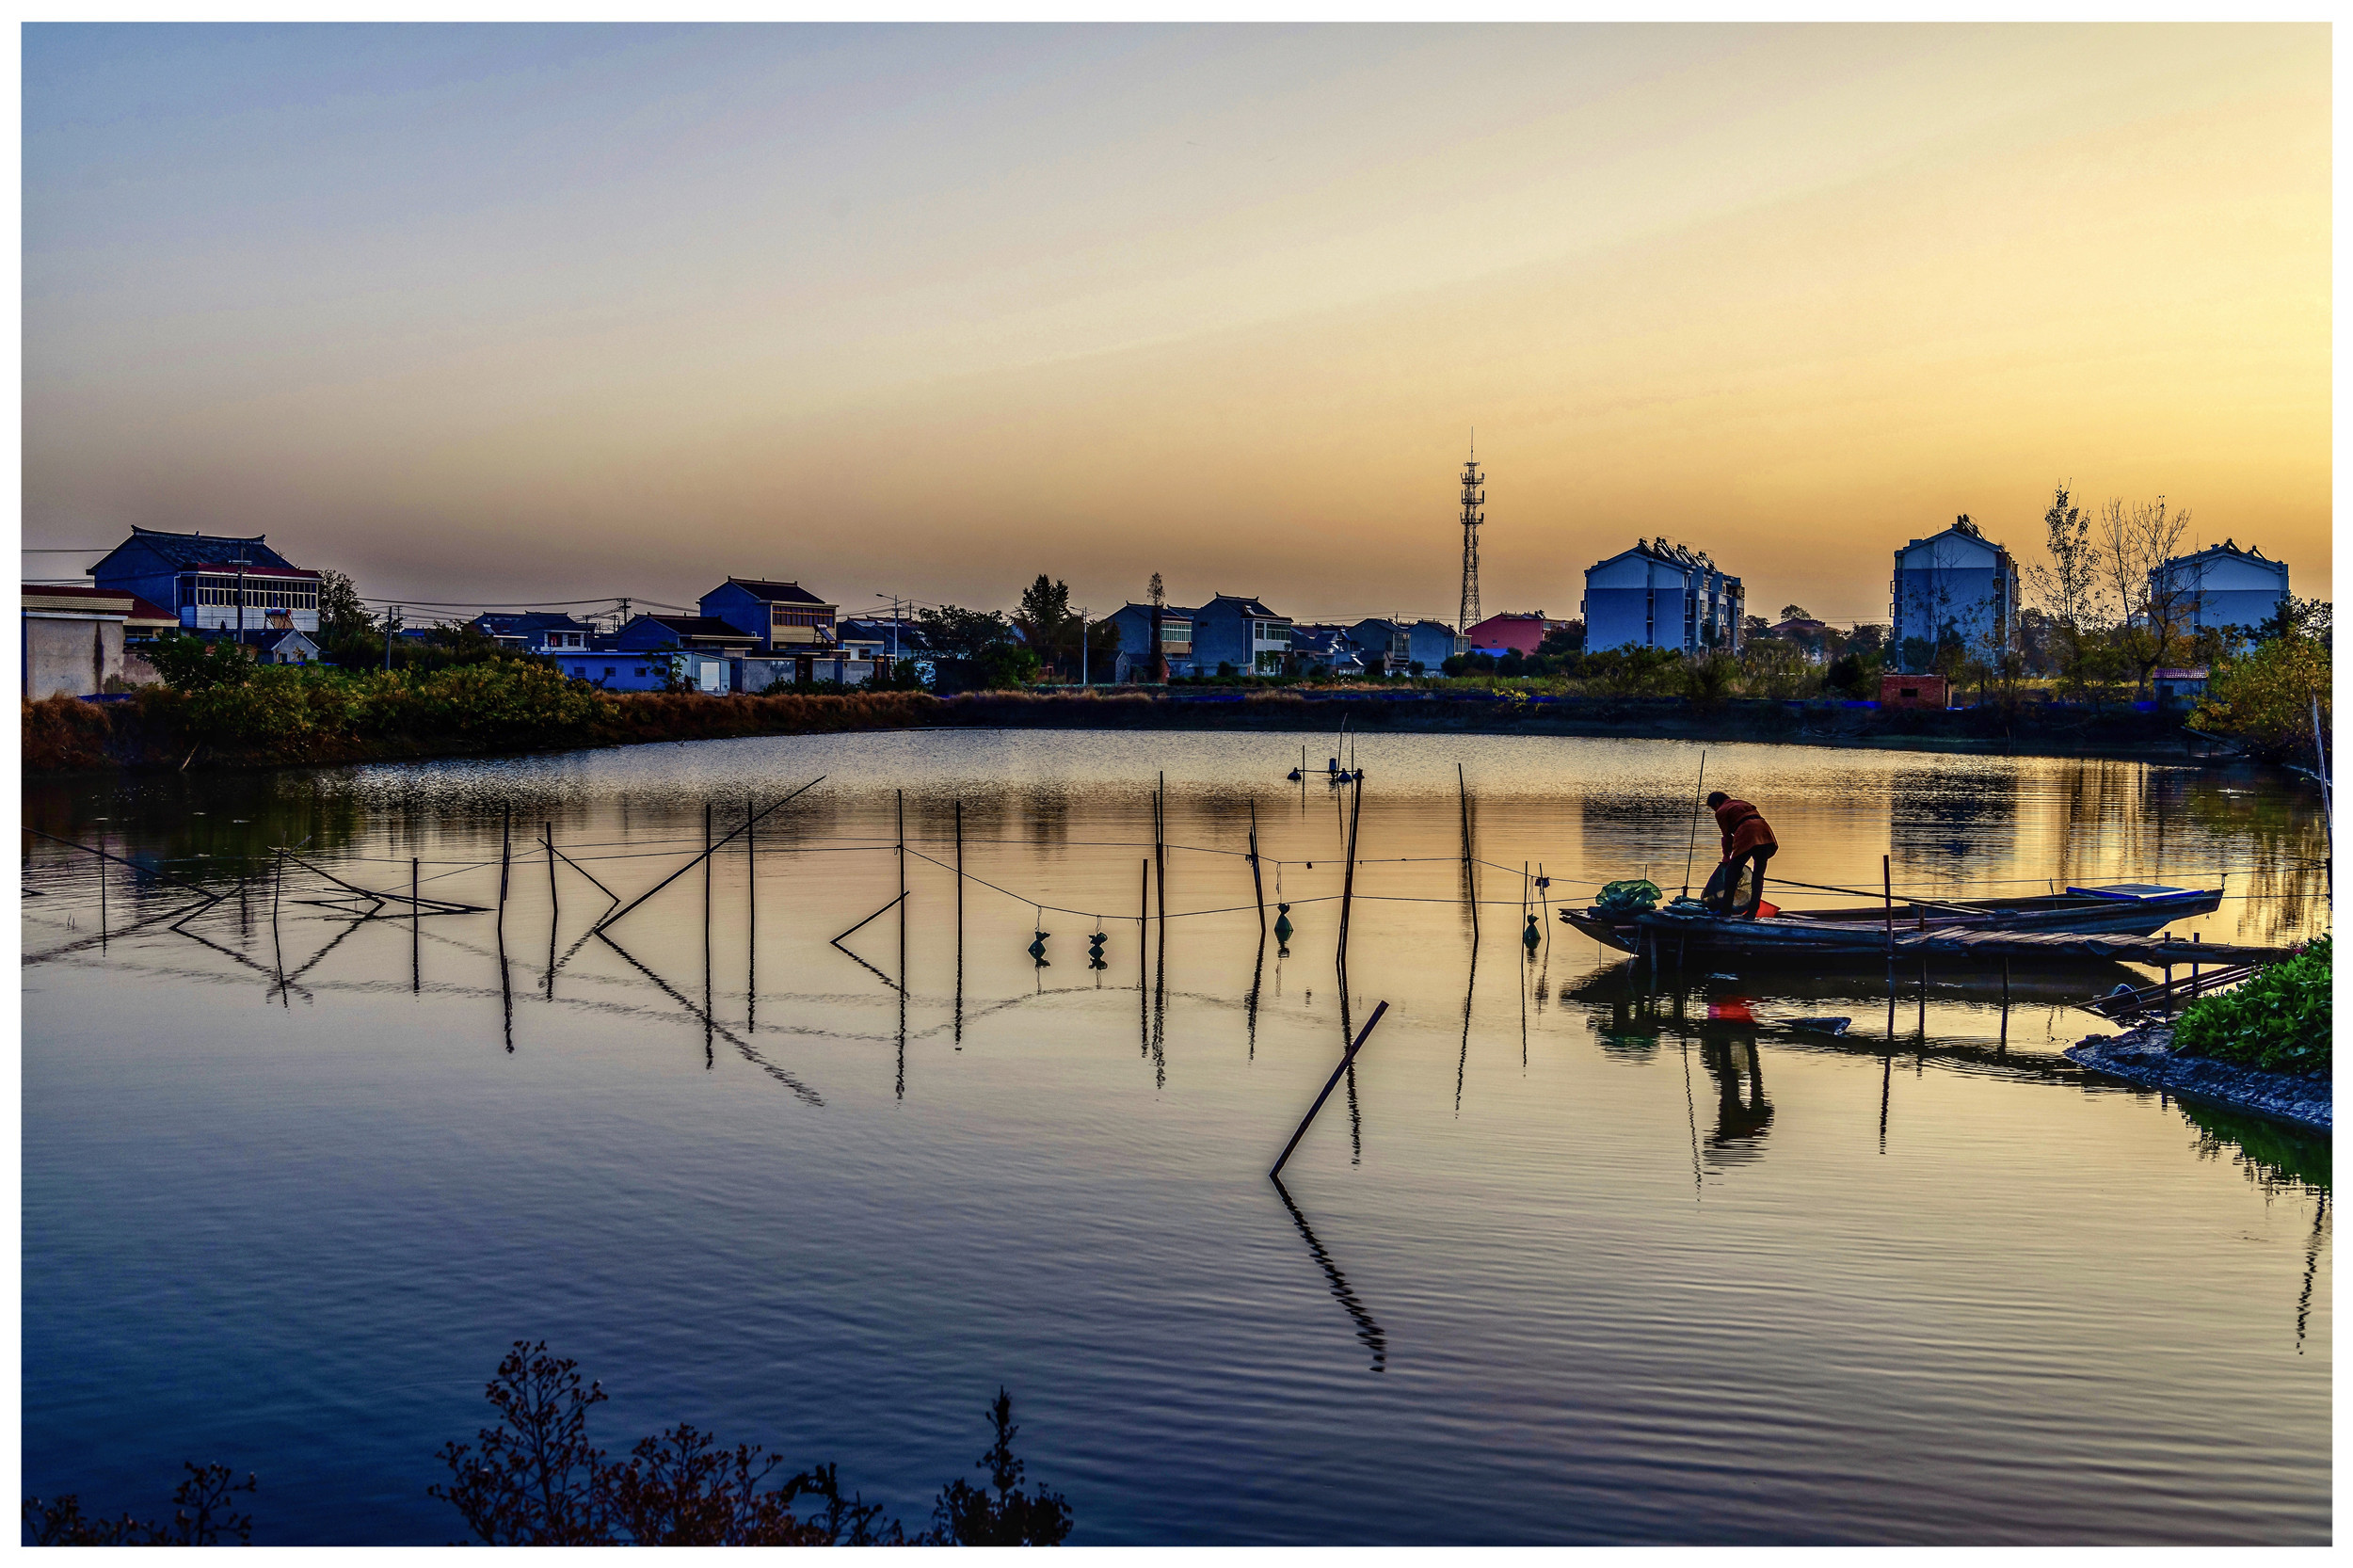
<point x="1238" y="630"/>
<point x="218" y="583"/>
<point x="1134" y="621"/>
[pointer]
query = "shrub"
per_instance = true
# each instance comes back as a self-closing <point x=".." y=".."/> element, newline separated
<point x="2279" y="1020"/>
<point x="536" y="1481"/>
<point x="200" y="1516"/>
<point x="195" y="665"/>
<point x="2266" y="699"/>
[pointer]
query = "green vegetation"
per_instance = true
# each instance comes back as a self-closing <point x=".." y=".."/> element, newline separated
<point x="2277" y="1020"/>
<point x="2264" y="696"/>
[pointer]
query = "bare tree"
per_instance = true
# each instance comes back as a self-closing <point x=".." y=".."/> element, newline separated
<point x="2129" y="544"/>
<point x="2069" y="587"/>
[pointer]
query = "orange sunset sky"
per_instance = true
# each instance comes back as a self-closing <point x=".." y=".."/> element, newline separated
<point x="537" y="313"/>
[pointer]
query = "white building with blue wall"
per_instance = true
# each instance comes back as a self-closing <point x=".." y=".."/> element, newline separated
<point x="2222" y="586"/>
<point x="1662" y="595"/>
<point x="1956" y="586"/>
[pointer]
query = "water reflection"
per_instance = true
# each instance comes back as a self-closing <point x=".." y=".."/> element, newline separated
<point x="1367" y="1330"/>
<point x="952" y="1213"/>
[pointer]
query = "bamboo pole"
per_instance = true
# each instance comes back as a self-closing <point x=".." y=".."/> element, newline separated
<point x="708" y="857"/>
<point x="416" y="940"/>
<point x="1692" y="845"/>
<point x="1887" y="893"/>
<point x="1470" y="877"/>
<point x="1347" y="1060"/>
<point x="1257" y="885"/>
<point x="1348" y="880"/>
<point x="751" y="924"/>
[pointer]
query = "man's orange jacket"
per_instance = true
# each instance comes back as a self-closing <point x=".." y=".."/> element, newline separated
<point x="1743" y="828"/>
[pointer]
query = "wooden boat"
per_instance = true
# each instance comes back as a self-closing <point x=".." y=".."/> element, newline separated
<point x="2136" y="909"/>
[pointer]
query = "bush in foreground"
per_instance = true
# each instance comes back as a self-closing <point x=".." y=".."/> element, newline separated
<point x="2277" y="1020"/>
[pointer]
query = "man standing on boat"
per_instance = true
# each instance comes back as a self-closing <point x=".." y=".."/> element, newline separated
<point x="1748" y="840"/>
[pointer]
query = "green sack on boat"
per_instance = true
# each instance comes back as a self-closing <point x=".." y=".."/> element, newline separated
<point x="1637" y="896"/>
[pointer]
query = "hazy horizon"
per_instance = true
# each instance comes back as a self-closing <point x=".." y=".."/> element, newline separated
<point x="543" y="313"/>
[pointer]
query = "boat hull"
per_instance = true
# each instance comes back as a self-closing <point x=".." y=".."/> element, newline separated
<point x="1860" y="933"/>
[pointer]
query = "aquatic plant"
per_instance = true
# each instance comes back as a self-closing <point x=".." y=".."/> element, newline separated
<point x="2278" y="1020"/>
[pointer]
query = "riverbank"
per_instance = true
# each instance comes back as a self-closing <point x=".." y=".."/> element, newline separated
<point x="2146" y="1056"/>
<point x="287" y="726"/>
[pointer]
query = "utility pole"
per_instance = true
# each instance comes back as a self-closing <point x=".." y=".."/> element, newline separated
<point x="392" y="618"/>
<point x="1082" y="647"/>
<point x="241" y="560"/>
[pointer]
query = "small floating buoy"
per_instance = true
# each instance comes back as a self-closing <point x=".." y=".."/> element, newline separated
<point x="1294" y="776"/>
<point x="1283" y="922"/>
<point x="1530" y="936"/>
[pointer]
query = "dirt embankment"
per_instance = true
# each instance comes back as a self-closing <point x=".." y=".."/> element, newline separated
<point x="158" y="728"/>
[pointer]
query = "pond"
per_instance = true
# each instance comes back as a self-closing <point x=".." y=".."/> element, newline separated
<point x="1571" y="1255"/>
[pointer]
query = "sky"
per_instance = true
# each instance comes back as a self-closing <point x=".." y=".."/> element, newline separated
<point x="515" y="313"/>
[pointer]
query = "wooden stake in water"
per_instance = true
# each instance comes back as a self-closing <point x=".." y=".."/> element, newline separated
<point x="1257" y="887"/>
<point x="1348" y="879"/>
<point x="416" y="941"/>
<point x="1160" y="848"/>
<point x="1470" y="880"/>
<point x="1887" y="892"/>
<point x="751" y="924"/>
<point x="959" y="1015"/>
<point x="1692" y="848"/>
<point x="1347" y="1060"/>
<point x="506" y="846"/>
<point x="708" y="857"/>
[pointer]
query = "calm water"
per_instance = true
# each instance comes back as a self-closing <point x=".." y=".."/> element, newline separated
<point x="1569" y="1259"/>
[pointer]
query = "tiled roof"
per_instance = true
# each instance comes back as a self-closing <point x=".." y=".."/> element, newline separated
<point x="788" y="593"/>
<point x="188" y="551"/>
<point x="702" y="626"/>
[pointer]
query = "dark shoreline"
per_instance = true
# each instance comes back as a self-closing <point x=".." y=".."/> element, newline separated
<point x="2145" y="1056"/>
<point x="137" y="737"/>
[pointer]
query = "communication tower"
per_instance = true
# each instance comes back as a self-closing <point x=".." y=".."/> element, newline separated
<point x="1473" y="513"/>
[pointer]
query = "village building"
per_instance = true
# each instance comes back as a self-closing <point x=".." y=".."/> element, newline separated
<point x="285" y="648"/>
<point x="1956" y="586"/>
<point x="1658" y="595"/>
<point x="214" y="583"/>
<point x="2222" y="586"/>
<point x="1238" y="630"/>
<point x="540" y="631"/>
<point x="73" y="640"/>
<point x="782" y="617"/>
<point x="1134" y="661"/>
<point x="1327" y="648"/>
<point x="1514" y="633"/>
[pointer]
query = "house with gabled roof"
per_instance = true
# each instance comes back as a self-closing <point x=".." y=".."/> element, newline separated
<point x="1662" y="595"/>
<point x="783" y="617"/>
<point x="2222" y="586"/>
<point x="215" y="582"/>
<point x="1239" y="630"/>
<point x="543" y="631"/>
<point x="1955" y="586"/>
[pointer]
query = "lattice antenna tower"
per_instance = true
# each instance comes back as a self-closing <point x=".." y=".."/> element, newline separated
<point x="1473" y="513"/>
